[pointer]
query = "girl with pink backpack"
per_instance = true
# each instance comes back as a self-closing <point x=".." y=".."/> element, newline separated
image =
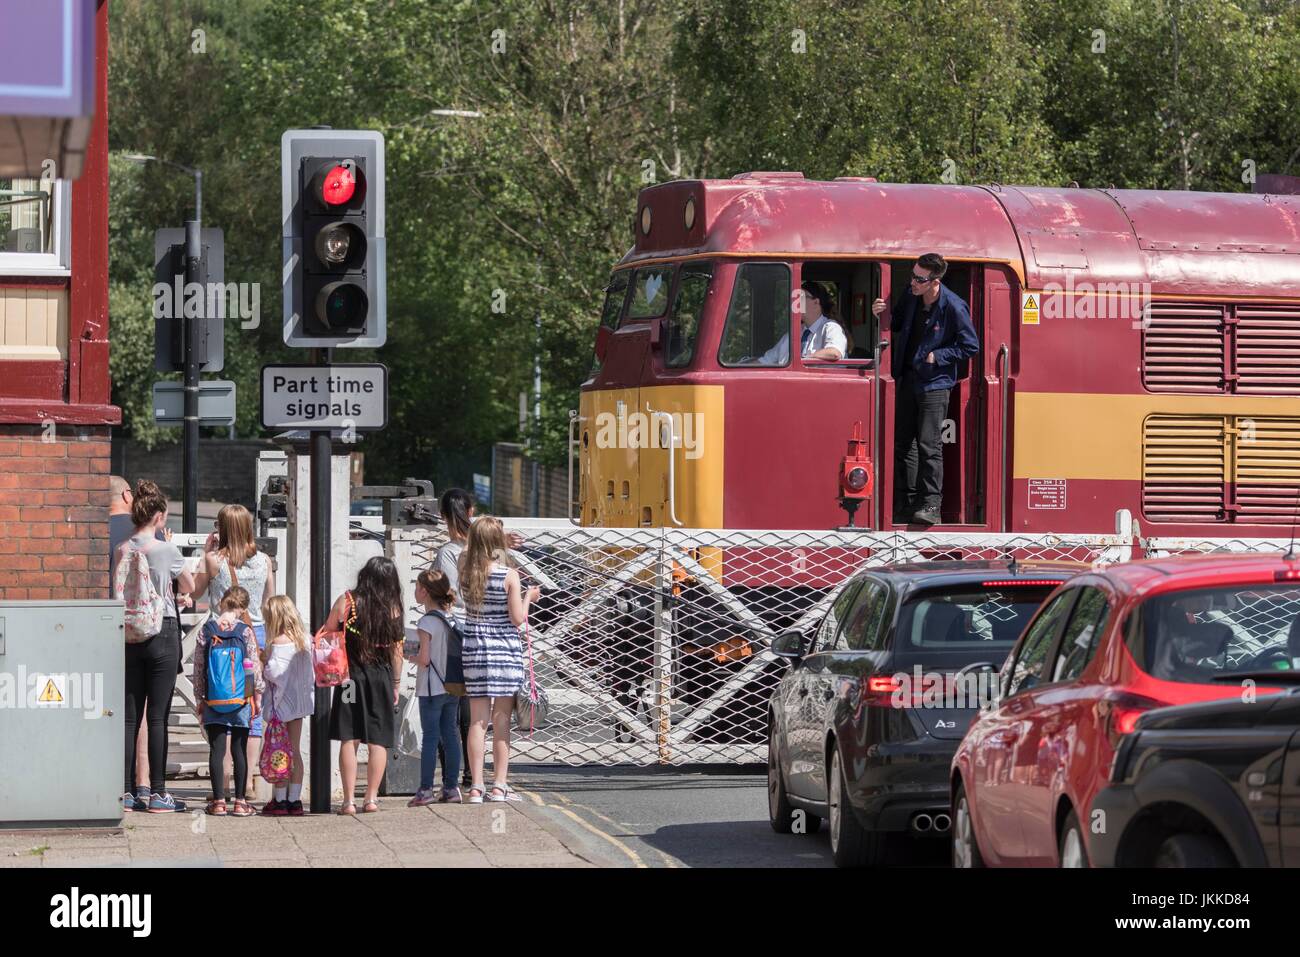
<point x="290" y="697"/>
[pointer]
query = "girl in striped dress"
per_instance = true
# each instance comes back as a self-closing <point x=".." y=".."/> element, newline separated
<point x="492" y="652"/>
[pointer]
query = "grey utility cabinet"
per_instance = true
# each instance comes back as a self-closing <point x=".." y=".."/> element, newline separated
<point x="62" y="713"/>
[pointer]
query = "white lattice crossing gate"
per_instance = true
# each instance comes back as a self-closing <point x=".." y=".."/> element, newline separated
<point x="653" y="644"/>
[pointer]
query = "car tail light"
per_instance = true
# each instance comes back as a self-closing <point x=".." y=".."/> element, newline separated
<point x="879" y="691"/>
<point x="1122" y="712"/>
<point x="1024" y="583"/>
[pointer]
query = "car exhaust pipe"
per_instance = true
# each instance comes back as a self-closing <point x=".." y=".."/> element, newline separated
<point x="942" y="822"/>
<point x="922" y="823"/>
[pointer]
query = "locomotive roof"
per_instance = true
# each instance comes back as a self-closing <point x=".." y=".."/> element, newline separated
<point x="1193" y="243"/>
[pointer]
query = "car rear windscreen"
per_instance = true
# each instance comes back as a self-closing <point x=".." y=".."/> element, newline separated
<point x="945" y="630"/>
<point x="1198" y="636"/>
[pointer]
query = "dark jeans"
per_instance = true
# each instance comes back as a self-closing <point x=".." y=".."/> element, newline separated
<point x="464" y="734"/>
<point x="918" y="448"/>
<point x="150" y="681"/>
<point x="217" y="734"/>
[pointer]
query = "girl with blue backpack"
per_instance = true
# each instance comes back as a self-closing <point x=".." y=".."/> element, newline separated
<point x="439" y="688"/>
<point x="228" y="680"/>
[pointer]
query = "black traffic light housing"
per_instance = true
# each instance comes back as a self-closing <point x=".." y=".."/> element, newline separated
<point x="333" y="238"/>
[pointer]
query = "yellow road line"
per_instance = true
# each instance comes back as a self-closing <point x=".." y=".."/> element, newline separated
<point x="635" y="858"/>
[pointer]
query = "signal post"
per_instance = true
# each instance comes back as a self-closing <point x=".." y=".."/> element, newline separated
<point x="334" y="298"/>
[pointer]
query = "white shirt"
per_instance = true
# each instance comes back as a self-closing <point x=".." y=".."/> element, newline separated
<point x="826" y="333"/>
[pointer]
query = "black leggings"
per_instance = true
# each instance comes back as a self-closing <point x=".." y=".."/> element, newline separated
<point x="150" y="681"/>
<point x="217" y="735"/>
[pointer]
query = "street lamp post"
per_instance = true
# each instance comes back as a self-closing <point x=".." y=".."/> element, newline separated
<point x="190" y="331"/>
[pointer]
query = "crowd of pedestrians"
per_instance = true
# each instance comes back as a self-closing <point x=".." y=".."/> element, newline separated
<point x="255" y="662"/>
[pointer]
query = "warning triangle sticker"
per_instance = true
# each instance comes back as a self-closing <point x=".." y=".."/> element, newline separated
<point x="1030" y="303"/>
<point x="50" y="693"/>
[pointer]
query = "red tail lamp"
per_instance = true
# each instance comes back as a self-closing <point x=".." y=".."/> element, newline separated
<point x="855" y="473"/>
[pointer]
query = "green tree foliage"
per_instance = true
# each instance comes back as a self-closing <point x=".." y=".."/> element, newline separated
<point x="502" y="228"/>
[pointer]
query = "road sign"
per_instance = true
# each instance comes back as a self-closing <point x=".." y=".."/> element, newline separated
<point x="347" y="396"/>
<point x="171" y="296"/>
<point x="216" y="402"/>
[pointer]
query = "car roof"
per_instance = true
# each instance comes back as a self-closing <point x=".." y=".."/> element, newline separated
<point x="939" y="572"/>
<point x="1185" y="572"/>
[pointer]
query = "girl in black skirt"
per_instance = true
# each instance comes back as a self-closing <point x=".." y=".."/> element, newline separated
<point x="364" y="707"/>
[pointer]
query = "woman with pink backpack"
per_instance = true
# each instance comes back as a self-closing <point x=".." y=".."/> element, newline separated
<point x="143" y="575"/>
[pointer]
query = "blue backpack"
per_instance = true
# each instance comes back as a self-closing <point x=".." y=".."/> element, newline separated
<point x="227" y="690"/>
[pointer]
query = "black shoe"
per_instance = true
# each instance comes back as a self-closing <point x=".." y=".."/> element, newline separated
<point x="926" y="516"/>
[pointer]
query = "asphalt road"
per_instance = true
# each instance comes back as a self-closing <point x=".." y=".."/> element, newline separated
<point x="673" y="817"/>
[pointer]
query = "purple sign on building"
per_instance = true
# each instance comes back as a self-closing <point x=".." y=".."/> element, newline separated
<point x="47" y="85"/>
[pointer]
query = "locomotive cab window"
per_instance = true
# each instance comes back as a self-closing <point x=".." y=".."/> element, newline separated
<point x="758" y="318"/>
<point x="682" y="327"/>
<point x="650" y="292"/>
<point x="611" y="311"/>
<point x="850" y="289"/>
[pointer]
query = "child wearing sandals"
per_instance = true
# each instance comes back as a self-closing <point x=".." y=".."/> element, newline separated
<point x="439" y="707"/>
<point x="290" y="692"/>
<point x="228" y="726"/>
<point x="496" y="606"/>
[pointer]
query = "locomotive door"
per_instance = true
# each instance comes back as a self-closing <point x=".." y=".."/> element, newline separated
<point x="971" y="434"/>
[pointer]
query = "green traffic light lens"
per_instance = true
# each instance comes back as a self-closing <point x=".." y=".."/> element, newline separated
<point x="342" y="306"/>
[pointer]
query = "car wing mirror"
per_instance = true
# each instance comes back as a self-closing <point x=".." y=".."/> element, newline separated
<point x="788" y="645"/>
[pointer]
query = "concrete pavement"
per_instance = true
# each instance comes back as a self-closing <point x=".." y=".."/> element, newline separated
<point x="440" y="835"/>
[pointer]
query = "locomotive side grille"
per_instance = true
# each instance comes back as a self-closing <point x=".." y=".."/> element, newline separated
<point x="1182" y="348"/>
<point x="1268" y="350"/>
<point x="1267" y="469"/>
<point x="1184" y="474"/>
<point x="1217" y="468"/>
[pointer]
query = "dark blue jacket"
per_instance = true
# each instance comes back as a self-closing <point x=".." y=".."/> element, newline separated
<point x="949" y="335"/>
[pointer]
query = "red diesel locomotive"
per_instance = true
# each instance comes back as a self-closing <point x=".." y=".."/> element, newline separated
<point x="1140" y="350"/>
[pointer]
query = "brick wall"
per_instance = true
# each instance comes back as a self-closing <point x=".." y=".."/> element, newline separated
<point x="227" y="469"/>
<point x="53" y="512"/>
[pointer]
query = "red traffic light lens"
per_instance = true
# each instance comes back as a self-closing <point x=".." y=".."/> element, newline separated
<point x="338" y="186"/>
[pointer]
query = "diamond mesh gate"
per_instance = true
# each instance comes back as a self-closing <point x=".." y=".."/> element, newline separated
<point x="653" y="644"/>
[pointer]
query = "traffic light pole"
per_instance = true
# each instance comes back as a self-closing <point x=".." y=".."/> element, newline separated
<point x="321" y="495"/>
<point x="190" y="331"/>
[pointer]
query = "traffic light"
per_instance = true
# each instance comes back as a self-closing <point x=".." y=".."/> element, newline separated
<point x="333" y="238"/>
<point x="170" y="299"/>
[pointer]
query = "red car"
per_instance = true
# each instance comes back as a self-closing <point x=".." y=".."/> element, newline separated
<point x="1103" y="648"/>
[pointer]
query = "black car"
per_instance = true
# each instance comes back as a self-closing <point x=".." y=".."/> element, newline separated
<point x="873" y="706"/>
<point x="1213" y="784"/>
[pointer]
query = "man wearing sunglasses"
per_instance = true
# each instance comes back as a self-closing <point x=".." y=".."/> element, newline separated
<point x="931" y="333"/>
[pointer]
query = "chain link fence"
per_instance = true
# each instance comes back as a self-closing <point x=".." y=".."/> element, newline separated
<point x="653" y="644"/>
